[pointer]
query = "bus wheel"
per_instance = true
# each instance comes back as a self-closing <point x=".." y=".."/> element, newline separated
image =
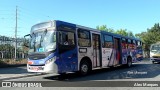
<point x="129" y="62"/>
<point x="84" y="68"/>
<point x="153" y="62"/>
<point x="62" y="76"/>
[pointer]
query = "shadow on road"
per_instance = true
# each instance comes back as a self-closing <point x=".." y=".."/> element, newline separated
<point x="135" y="72"/>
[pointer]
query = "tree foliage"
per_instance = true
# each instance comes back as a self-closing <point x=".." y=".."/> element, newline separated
<point x="151" y="36"/>
<point x="7" y="50"/>
<point x="6" y="47"/>
<point x="104" y="28"/>
<point x="123" y="32"/>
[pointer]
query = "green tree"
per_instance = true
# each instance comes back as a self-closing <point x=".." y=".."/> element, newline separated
<point x="130" y="34"/>
<point x="104" y="28"/>
<point x="25" y="49"/>
<point x="149" y="37"/>
<point x="6" y="49"/>
<point x="123" y="32"/>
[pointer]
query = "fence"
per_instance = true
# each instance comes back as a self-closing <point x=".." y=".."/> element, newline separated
<point x="11" y="55"/>
<point x="7" y="50"/>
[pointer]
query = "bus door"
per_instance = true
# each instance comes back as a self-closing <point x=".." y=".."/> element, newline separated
<point x="96" y="50"/>
<point x="67" y="50"/>
<point x="117" y="51"/>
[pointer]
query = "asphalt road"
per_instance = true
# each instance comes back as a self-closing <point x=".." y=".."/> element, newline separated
<point x="142" y="71"/>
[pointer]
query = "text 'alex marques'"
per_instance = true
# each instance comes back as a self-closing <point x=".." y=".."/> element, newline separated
<point x="136" y="72"/>
<point x="145" y="84"/>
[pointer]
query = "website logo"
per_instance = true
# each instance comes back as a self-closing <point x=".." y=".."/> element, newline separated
<point x="6" y="84"/>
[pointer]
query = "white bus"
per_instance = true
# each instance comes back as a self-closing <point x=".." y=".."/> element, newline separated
<point x="155" y="52"/>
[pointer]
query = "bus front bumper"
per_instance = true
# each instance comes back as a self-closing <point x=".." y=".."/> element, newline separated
<point x="46" y="68"/>
<point x="155" y="59"/>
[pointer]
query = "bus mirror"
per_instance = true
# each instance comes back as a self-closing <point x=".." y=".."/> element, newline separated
<point x="28" y="35"/>
<point x="26" y="40"/>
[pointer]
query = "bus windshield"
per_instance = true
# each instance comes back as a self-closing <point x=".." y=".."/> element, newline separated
<point x="43" y="41"/>
<point x="155" y="48"/>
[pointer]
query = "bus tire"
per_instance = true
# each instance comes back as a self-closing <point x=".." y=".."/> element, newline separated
<point x="84" y="68"/>
<point x="153" y="62"/>
<point x="129" y="62"/>
<point x="62" y="76"/>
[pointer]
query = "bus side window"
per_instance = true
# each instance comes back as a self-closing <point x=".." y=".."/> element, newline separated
<point x="139" y="43"/>
<point x="136" y="43"/>
<point x="66" y="38"/>
<point x="66" y="41"/>
<point x="84" y="39"/>
<point x="108" y="41"/>
<point x="133" y="44"/>
<point x="128" y="43"/>
<point x="102" y="40"/>
<point x="123" y="43"/>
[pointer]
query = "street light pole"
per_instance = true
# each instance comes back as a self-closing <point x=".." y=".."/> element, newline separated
<point x="15" y="52"/>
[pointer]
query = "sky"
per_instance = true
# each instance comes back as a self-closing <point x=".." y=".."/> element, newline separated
<point x="134" y="15"/>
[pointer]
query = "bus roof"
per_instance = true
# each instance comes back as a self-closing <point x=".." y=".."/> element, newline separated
<point x="88" y="28"/>
<point x="119" y="36"/>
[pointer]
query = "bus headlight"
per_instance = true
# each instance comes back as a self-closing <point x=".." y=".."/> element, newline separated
<point x="151" y="54"/>
<point x="50" y="60"/>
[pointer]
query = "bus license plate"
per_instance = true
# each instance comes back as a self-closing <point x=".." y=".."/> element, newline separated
<point x="35" y="68"/>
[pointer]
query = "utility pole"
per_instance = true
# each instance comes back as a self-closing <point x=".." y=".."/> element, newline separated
<point x="15" y="51"/>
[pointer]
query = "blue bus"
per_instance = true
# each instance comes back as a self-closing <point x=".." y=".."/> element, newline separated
<point x="61" y="47"/>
